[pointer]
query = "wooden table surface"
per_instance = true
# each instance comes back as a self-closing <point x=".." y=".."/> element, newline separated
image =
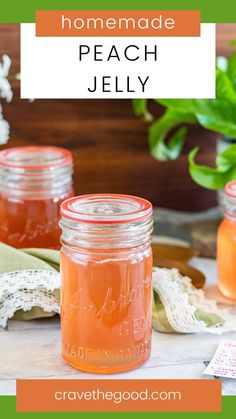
<point x="32" y="350"/>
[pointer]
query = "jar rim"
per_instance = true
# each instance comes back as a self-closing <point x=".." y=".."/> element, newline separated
<point x="97" y="208"/>
<point x="17" y="157"/>
<point x="230" y="189"/>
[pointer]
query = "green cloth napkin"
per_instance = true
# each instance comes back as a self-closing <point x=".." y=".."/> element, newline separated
<point x="159" y="318"/>
<point x="48" y="256"/>
<point x="12" y="259"/>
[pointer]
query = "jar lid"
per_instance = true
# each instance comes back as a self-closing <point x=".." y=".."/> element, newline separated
<point x="35" y="157"/>
<point x="230" y="189"/>
<point x="106" y="208"/>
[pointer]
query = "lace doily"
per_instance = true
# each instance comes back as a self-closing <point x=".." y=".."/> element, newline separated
<point x="24" y="289"/>
<point x="186" y="307"/>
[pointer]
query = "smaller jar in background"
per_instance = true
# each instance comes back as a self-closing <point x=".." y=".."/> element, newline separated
<point x="106" y="270"/>
<point x="221" y="145"/>
<point x="226" y="244"/>
<point x="34" y="180"/>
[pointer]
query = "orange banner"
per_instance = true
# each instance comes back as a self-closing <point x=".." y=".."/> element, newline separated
<point x="118" y="395"/>
<point x="118" y="23"/>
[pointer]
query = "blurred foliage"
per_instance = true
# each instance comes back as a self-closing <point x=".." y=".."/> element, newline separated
<point x="218" y="115"/>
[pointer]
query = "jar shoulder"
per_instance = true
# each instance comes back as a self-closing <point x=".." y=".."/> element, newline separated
<point x="227" y="227"/>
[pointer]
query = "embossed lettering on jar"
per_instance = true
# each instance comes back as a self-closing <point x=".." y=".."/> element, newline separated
<point x="106" y="266"/>
<point x="34" y="181"/>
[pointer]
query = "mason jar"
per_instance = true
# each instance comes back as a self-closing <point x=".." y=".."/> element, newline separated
<point x="33" y="183"/>
<point x="106" y="271"/>
<point x="221" y="145"/>
<point x="226" y="244"/>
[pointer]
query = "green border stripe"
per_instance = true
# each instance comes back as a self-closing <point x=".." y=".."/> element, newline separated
<point x="16" y="11"/>
<point x="7" y="410"/>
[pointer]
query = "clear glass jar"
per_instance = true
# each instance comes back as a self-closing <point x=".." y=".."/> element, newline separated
<point x="106" y="270"/>
<point x="33" y="183"/>
<point x="221" y="145"/>
<point x="226" y="244"/>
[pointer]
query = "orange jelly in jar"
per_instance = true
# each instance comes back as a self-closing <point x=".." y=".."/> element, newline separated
<point x="34" y="181"/>
<point x="106" y="270"/>
<point x="226" y="244"/>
